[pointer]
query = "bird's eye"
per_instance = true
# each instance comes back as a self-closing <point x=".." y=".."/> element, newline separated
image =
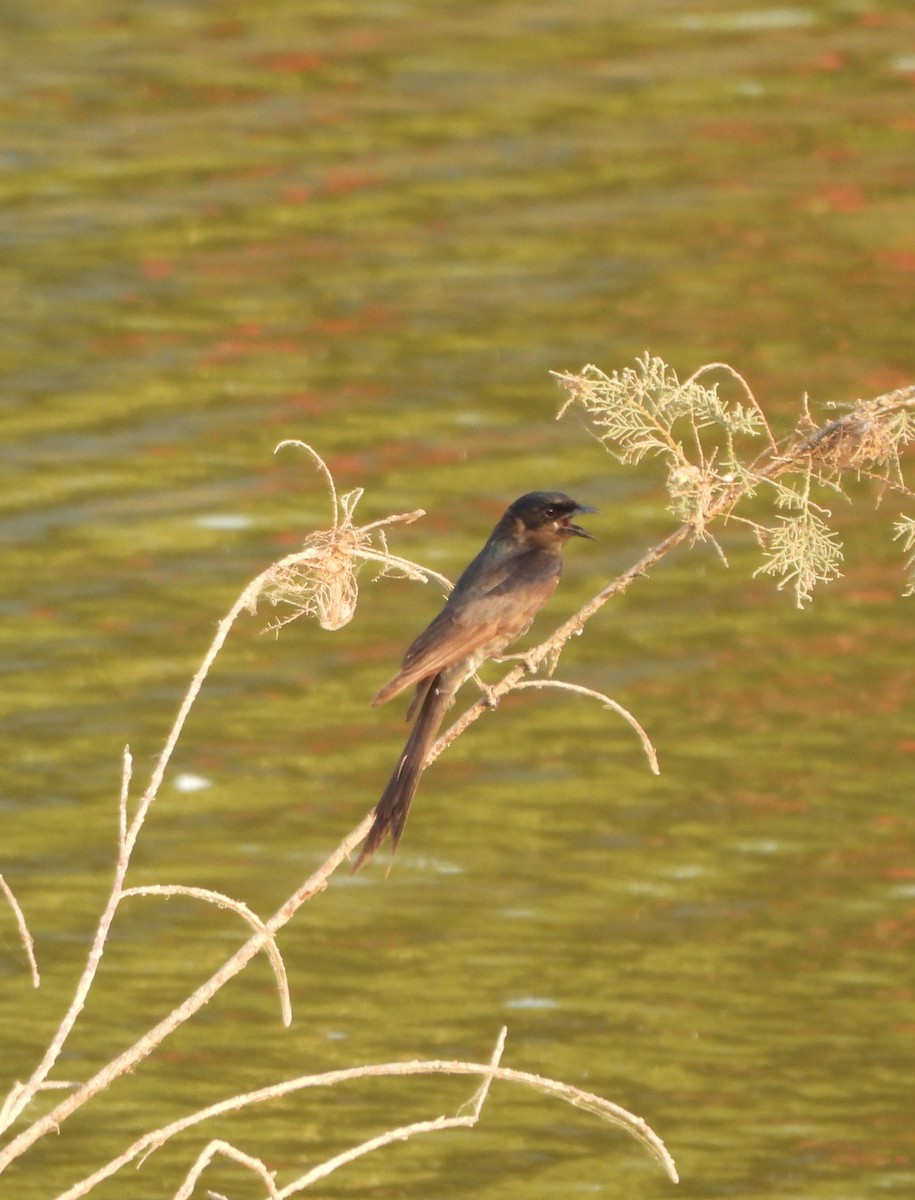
<point x="551" y="511"/>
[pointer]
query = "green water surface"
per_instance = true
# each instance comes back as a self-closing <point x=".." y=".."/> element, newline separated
<point x="377" y="227"/>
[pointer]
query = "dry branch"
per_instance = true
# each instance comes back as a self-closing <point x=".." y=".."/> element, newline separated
<point x="236" y="906"/>
<point x="706" y="484"/>
<point x="25" y="937"/>
<point x="611" y="1113"/>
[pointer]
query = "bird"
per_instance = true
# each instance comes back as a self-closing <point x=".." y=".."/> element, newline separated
<point x="492" y="605"/>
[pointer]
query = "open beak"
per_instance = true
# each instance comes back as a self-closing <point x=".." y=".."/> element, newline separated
<point x="577" y="529"/>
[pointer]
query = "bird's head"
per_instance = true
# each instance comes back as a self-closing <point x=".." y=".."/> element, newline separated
<point x="545" y="518"/>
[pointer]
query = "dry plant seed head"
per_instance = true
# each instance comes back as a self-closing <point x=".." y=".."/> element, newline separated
<point x="320" y="579"/>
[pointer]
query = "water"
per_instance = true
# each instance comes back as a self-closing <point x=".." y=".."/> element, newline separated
<point x="377" y="228"/>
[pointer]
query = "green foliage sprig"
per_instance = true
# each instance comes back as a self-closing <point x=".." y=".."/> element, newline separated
<point x="710" y="447"/>
<point x="905" y="532"/>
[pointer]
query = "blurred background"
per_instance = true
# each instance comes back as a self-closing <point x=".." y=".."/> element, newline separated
<point x="377" y="227"/>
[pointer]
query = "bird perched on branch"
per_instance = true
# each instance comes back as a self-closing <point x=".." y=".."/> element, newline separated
<point x="493" y="603"/>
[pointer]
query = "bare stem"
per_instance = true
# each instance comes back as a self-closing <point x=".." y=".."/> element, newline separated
<point x="129" y="1059"/>
<point x="589" y="1101"/>
<point x="127" y="840"/>
<point x="25" y="937"/>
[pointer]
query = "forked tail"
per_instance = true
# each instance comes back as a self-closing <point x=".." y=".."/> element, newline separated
<point x="392" y="809"/>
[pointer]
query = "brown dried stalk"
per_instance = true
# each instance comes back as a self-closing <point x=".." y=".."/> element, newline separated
<point x="25" y="937"/>
<point x="148" y="1143"/>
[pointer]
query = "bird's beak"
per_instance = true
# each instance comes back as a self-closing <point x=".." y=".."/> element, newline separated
<point x="577" y="529"/>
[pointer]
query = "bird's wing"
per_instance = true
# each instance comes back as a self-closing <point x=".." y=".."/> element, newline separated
<point x="494" y="610"/>
<point x="444" y="642"/>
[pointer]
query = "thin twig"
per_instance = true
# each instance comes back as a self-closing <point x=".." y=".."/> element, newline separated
<point x="613" y="705"/>
<point x="126" y="771"/>
<point x="612" y="1113"/>
<point x="465" y="1121"/>
<point x="127" y="843"/>
<point x="236" y="906"/>
<point x="748" y="392"/>
<point x="129" y="1058"/>
<point x="209" y="1152"/>
<point x="356" y="544"/>
<point x="25" y="937"/>
<point x="322" y="467"/>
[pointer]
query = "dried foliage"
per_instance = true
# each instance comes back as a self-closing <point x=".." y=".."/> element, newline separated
<point x="320" y="580"/>
<point x="719" y="456"/>
<point x="714" y="462"/>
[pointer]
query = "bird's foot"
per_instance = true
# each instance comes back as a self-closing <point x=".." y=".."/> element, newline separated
<point x="489" y="697"/>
